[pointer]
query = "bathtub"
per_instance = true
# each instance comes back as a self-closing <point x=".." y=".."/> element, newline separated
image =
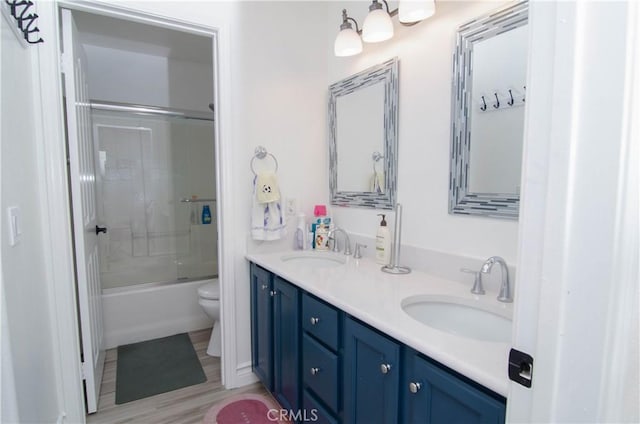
<point x="148" y="311"/>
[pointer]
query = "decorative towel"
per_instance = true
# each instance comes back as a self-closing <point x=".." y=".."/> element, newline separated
<point x="376" y="185"/>
<point x="267" y="189"/>
<point x="267" y="219"/>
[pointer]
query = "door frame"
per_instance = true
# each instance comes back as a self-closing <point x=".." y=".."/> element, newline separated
<point x="55" y="195"/>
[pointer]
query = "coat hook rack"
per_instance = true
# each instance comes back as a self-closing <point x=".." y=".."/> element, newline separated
<point x="25" y="20"/>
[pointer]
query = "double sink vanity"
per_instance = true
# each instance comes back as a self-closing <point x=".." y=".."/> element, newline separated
<point x="335" y="337"/>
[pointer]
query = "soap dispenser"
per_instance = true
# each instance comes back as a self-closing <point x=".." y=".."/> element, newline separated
<point x="383" y="243"/>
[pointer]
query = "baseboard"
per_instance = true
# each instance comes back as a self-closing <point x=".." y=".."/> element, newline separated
<point x="244" y="376"/>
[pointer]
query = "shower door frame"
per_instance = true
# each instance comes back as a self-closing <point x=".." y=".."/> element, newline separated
<point x="47" y="73"/>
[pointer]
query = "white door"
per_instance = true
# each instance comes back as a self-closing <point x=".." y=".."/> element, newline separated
<point x="83" y="194"/>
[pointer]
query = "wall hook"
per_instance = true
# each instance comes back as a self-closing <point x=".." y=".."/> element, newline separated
<point x="497" y="104"/>
<point x="24" y="21"/>
<point x="484" y="105"/>
<point x="510" y="102"/>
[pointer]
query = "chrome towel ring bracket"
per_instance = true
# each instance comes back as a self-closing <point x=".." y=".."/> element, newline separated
<point x="261" y="153"/>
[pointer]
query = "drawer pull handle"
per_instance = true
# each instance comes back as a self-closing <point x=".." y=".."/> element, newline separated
<point x="264" y="287"/>
<point x="414" y="387"/>
<point x="315" y="370"/>
<point x="385" y="368"/>
<point x="273" y="293"/>
<point x="314" y="320"/>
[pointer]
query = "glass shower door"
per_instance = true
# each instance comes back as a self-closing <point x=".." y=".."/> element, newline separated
<point x="150" y="171"/>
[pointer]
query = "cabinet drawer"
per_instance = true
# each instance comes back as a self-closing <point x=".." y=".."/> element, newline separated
<point x="320" y="371"/>
<point x="314" y="411"/>
<point x="320" y="320"/>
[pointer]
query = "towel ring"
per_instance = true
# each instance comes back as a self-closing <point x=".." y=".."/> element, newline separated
<point x="261" y="153"/>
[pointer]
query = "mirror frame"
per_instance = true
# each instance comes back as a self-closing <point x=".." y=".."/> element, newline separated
<point x="461" y="201"/>
<point x="386" y="72"/>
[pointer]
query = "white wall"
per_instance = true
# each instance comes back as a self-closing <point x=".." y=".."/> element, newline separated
<point x="425" y="54"/>
<point x="25" y="287"/>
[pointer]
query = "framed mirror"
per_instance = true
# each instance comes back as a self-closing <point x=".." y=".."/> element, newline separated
<point x="363" y="138"/>
<point x="488" y="99"/>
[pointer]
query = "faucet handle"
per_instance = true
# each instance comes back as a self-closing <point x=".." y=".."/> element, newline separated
<point x="477" y="281"/>
<point x="356" y="253"/>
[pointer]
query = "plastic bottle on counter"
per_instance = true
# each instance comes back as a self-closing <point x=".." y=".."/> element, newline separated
<point x="383" y="243"/>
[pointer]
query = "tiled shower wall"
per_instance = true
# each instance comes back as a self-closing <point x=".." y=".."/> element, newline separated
<point x="147" y="165"/>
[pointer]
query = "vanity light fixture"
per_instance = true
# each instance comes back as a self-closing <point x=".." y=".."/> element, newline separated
<point x="348" y="42"/>
<point x="377" y="25"/>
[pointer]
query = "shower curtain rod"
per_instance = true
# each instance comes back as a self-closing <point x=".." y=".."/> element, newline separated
<point x="151" y="110"/>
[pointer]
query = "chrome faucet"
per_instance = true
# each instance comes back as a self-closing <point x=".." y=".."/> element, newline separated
<point x="356" y="253"/>
<point x="505" y="290"/>
<point x="347" y="243"/>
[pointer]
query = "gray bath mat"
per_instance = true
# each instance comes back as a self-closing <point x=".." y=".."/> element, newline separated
<point x="156" y="366"/>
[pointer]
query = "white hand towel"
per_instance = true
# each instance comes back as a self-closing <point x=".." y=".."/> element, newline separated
<point x="267" y="219"/>
<point x="267" y="189"/>
<point x="376" y="184"/>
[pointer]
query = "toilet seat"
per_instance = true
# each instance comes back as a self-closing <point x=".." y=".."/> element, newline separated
<point x="209" y="291"/>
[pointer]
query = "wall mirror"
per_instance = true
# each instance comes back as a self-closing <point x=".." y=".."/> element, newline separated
<point x="363" y="138"/>
<point x="488" y="99"/>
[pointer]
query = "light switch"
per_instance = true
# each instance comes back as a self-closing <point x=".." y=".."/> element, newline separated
<point x="15" y="230"/>
<point x="291" y="207"/>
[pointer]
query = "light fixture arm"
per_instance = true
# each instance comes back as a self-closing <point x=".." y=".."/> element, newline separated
<point x="375" y="5"/>
<point x="345" y="22"/>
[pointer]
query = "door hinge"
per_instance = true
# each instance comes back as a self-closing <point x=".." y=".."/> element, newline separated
<point x="63" y="63"/>
<point x="520" y="367"/>
<point x="83" y="370"/>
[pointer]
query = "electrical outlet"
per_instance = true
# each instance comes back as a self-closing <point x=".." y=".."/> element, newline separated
<point x="292" y="207"/>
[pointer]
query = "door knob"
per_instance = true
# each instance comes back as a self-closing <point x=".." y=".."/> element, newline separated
<point x="385" y="368"/>
<point x="414" y="387"/>
<point x="264" y="287"/>
<point x="315" y="370"/>
<point x="101" y="230"/>
<point x="273" y="293"/>
<point x="314" y="320"/>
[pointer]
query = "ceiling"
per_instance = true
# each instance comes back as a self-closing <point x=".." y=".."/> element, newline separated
<point x="104" y="31"/>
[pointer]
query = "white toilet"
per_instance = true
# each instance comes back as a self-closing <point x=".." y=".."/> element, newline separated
<point x="209" y="299"/>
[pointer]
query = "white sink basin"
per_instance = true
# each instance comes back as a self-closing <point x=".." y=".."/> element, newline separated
<point x="315" y="259"/>
<point x="461" y="317"/>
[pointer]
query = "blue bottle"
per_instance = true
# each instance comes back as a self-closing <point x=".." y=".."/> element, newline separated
<point x="206" y="214"/>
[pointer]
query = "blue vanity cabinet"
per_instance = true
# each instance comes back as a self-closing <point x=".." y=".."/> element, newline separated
<point x="433" y="394"/>
<point x="286" y="350"/>
<point x="262" y="325"/>
<point x="275" y="336"/>
<point x="371" y="375"/>
<point x="325" y="366"/>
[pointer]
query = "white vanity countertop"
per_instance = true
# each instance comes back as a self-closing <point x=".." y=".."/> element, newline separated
<point x="360" y="289"/>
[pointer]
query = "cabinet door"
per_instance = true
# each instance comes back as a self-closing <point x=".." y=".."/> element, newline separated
<point x="286" y="358"/>
<point x="371" y="375"/>
<point x="435" y="395"/>
<point x="262" y="324"/>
